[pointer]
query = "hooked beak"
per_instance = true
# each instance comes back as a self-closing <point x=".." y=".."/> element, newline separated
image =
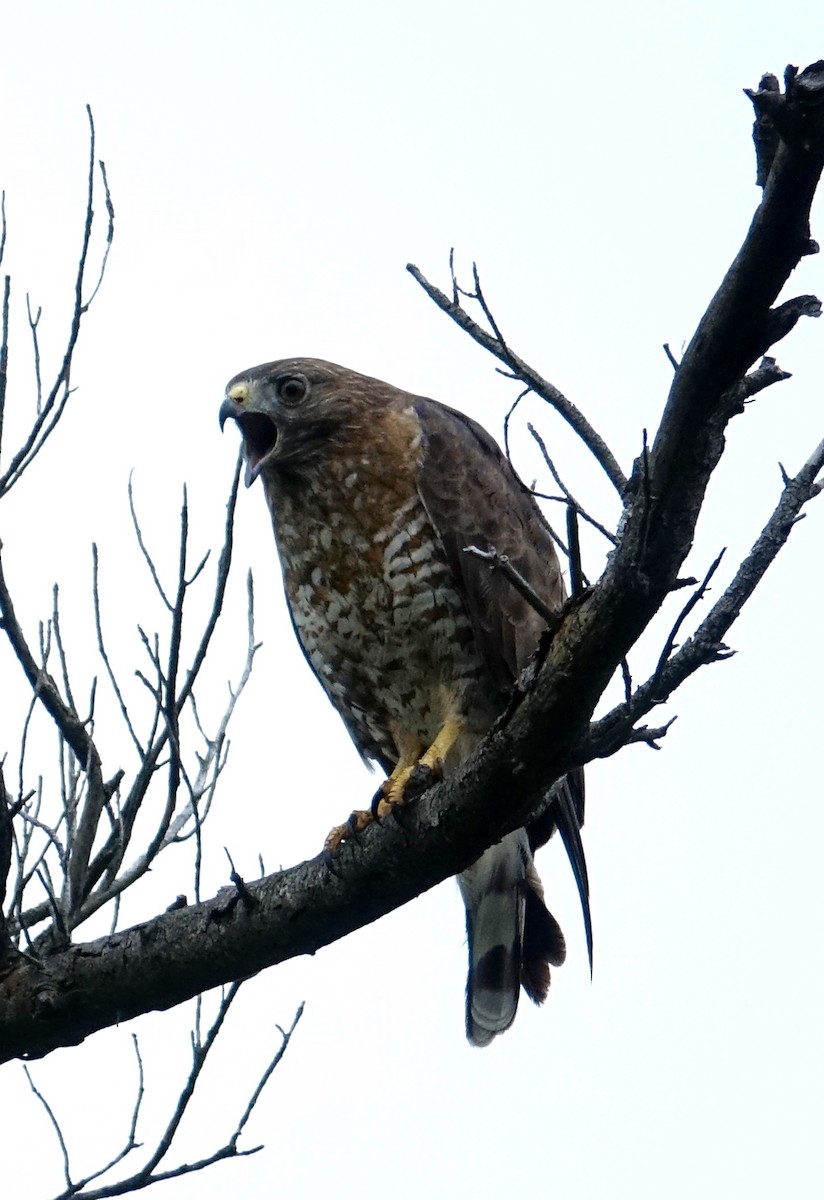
<point x="259" y="434"/>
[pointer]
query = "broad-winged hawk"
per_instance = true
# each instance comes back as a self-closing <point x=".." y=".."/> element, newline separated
<point x="375" y="494"/>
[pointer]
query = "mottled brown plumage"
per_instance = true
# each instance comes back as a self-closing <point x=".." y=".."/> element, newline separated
<point x="375" y="494"/>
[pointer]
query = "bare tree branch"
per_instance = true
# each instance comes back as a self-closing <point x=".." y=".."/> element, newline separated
<point x="94" y="884"/>
<point x="4" y="339"/>
<point x="55" y="1126"/>
<point x="148" y="1173"/>
<point x="495" y="344"/>
<point x="67" y="721"/>
<point x="706" y="645"/>
<point x="500" y="562"/>
<point x="567" y="494"/>
<point x="50" y="411"/>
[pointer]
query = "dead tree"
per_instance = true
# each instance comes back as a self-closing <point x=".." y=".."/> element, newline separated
<point x="55" y="991"/>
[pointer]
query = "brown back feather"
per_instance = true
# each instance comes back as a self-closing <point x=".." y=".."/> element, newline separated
<point x="474" y="498"/>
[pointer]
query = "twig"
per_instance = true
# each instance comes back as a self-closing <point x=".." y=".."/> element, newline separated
<point x="101" y="647"/>
<point x="148" y="1174"/>
<point x="170" y="710"/>
<point x="224" y="562"/>
<point x="108" y="861"/>
<point x="649" y="737"/>
<point x="144" y="550"/>
<point x="200" y="1054"/>
<point x="694" y="599"/>
<point x="66" y="720"/>
<point x="50" y="412"/>
<point x="8" y="811"/>
<point x="567" y="494"/>
<point x="479" y="296"/>
<point x="496" y="345"/>
<point x="576" y="574"/>
<point x="107" y="197"/>
<point x="4" y="341"/>
<point x="502" y="563"/>
<point x="33" y="323"/>
<point x="286" y="1037"/>
<point x="61" y="653"/>
<point x="55" y="1126"/>
<point x="507" y="419"/>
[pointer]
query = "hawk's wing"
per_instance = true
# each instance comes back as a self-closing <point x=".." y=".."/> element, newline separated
<point x="474" y="498"/>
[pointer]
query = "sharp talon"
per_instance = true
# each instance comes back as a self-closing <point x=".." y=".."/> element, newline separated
<point x="333" y="839"/>
<point x="327" y="858"/>
<point x="374" y="807"/>
<point x="392" y="792"/>
<point x="355" y="823"/>
<point x="411" y="775"/>
<point x="359" y="819"/>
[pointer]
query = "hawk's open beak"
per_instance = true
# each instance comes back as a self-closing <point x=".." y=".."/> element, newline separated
<point x="229" y="410"/>
<point x="259" y="433"/>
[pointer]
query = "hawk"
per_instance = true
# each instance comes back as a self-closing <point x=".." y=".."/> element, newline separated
<point x="375" y="495"/>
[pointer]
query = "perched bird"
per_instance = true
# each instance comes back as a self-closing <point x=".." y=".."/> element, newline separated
<point x="375" y="494"/>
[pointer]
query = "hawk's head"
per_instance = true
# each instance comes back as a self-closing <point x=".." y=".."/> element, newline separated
<point x="289" y="412"/>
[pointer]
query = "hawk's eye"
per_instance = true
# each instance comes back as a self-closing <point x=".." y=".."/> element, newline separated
<point x="292" y="389"/>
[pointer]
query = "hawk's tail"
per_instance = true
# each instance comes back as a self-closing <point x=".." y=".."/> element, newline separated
<point x="513" y="938"/>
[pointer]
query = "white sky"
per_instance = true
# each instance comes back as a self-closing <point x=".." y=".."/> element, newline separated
<point x="274" y="166"/>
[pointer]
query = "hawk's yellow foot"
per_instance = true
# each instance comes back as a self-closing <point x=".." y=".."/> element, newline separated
<point x="392" y="791"/>
<point x="433" y="759"/>
<point x="357" y="822"/>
